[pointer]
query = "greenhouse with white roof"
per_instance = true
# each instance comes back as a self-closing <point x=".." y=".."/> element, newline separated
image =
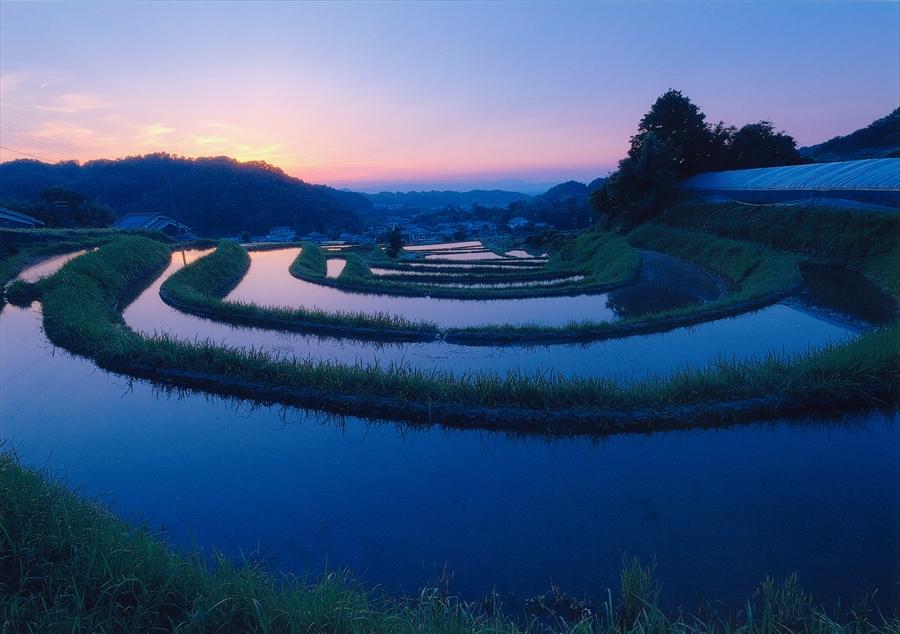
<point x="872" y="182"/>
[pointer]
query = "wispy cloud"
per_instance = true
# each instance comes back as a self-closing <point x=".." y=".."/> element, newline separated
<point x="153" y="132"/>
<point x="62" y="130"/>
<point x="73" y="102"/>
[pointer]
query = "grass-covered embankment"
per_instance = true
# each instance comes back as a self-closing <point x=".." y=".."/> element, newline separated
<point x="601" y="262"/>
<point x="82" y="312"/>
<point x="199" y="288"/>
<point x="21" y="248"/>
<point x="67" y="564"/>
<point x="867" y="242"/>
<point x="756" y="276"/>
<point x="758" y="250"/>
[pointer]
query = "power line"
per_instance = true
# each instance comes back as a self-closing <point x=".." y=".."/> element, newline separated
<point x="42" y="143"/>
<point x="34" y="156"/>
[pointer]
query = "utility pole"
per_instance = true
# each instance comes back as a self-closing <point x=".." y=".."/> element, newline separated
<point x="174" y="210"/>
<point x="181" y="230"/>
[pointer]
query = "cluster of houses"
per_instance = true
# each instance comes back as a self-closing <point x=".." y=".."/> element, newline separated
<point x="156" y="222"/>
<point x="414" y="233"/>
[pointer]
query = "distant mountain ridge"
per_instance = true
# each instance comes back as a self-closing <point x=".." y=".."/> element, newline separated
<point x="440" y="199"/>
<point x="880" y="139"/>
<point x="216" y="195"/>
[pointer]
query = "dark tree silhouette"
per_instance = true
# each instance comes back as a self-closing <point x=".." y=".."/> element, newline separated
<point x="759" y="145"/>
<point x="60" y="207"/>
<point x="674" y="141"/>
<point x="215" y="196"/>
<point x="395" y="241"/>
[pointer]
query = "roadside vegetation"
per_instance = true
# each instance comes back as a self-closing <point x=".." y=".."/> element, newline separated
<point x="67" y="564"/>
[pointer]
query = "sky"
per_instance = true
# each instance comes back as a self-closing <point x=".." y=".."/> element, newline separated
<point x="376" y="96"/>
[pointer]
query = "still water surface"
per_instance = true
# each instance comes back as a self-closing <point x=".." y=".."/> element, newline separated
<point x="781" y="329"/>
<point x="47" y="267"/>
<point x="717" y="509"/>
<point x="663" y="282"/>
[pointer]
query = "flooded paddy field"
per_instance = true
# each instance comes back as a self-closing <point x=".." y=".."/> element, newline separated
<point x="300" y="490"/>
<point x="783" y="329"/>
<point x="48" y="266"/>
<point x="717" y="509"/>
<point x="269" y="282"/>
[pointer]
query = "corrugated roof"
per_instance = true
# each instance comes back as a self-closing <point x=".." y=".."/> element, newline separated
<point x="15" y="216"/>
<point x="870" y="174"/>
<point x="142" y="221"/>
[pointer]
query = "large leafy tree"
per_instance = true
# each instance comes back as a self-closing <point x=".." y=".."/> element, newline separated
<point x="759" y="145"/>
<point x="677" y="121"/>
<point x="645" y="182"/>
<point x="674" y="141"/>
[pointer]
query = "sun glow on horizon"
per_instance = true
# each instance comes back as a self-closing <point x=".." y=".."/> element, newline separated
<point x="380" y="93"/>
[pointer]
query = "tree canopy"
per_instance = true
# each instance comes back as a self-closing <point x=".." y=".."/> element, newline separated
<point x="60" y="207"/>
<point x="216" y="196"/>
<point x="674" y="141"/>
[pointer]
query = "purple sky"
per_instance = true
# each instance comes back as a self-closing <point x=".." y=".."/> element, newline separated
<point x="381" y="95"/>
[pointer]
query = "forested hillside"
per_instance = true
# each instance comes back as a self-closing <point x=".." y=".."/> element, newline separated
<point x="215" y="196"/>
<point x="879" y="139"/>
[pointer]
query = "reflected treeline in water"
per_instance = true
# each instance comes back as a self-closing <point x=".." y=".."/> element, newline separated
<point x="663" y="283"/>
<point x="846" y="293"/>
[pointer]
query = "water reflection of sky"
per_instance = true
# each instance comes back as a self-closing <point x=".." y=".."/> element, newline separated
<point x="270" y="283"/>
<point x="47" y="267"/>
<point x="780" y="329"/>
<point x="717" y="509"/>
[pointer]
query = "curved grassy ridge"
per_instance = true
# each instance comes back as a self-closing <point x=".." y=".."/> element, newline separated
<point x="867" y="242"/>
<point x="463" y="277"/>
<point x="756" y="276"/>
<point x="480" y="266"/>
<point x="199" y="288"/>
<point x="82" y="312"/>
<point x="20" y="248"/>
<point x="617" y="265"/>
<point x="67" y="564"/>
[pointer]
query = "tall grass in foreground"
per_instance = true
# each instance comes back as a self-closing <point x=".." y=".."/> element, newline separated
<point x="67" y="564"/>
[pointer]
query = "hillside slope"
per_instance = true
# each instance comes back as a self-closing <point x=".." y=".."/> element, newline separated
<point x="441" y="199"/>
<point x="880" y="139"/>
<point x="216" y="195"/>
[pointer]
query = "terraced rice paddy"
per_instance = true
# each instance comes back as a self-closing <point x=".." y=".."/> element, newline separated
<point x="47" y="267"/>
<point x="268" y="282"/>
<point x="398" y="503"/>
<point x="784" y="328"/>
